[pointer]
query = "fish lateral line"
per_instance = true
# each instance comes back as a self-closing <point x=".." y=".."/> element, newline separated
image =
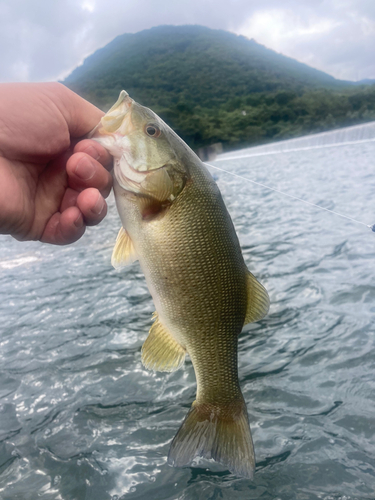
<point x="370" y="226"/>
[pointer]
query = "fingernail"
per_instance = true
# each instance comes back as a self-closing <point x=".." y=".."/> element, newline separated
<point x="79" y="221"/>
<point x="97" y="209"/>
<point x="91" y="151"/>
<point x="85" y="170"/>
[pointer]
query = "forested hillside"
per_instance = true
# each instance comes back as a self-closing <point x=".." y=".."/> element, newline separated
<point x="214" y="86"/>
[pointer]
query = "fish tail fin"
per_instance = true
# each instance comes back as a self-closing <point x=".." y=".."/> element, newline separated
<point x="215" y="432"/>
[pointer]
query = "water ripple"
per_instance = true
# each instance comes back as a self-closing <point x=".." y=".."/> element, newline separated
<point x="81" y="418"/>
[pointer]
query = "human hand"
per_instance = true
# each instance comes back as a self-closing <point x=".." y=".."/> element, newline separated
<point x="51" y="185"/>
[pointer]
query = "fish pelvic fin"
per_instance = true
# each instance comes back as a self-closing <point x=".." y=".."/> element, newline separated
<point x="161" y="352"/>
<point x="123" y="254"/>
<point x="219" y="433"/>
<point x="258" y="301"/>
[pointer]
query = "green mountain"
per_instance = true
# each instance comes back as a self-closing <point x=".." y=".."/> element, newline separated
<point x="214" y="86"/>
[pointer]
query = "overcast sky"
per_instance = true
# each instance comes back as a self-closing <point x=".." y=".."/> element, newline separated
<point x="44" y="40"/>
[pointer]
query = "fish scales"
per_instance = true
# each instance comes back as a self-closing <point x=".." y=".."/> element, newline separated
<point x="200" y="272"/>
<point x="176" y="224"/>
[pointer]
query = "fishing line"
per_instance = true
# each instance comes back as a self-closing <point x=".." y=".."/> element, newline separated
<point x="292" y="150"/>
<point x="371" y="226"/>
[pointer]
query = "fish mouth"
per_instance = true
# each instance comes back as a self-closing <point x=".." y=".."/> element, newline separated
<point x="130" y="178"/>
<point x="118" y="118"/>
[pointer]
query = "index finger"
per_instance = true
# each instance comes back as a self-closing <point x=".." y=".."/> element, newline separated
<point x="95" y="150"/>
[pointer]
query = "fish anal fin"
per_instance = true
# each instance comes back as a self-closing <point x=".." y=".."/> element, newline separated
<point x="215" y="432"/>
<point x="123" y="253"/>
<point x="258" y="301"/>
<point x="160" y="351"/>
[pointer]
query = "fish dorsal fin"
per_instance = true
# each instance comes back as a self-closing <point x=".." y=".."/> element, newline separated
<point x="258" y="301"/>
<point x="123" y="253"/>
<point x="161" y="352"/>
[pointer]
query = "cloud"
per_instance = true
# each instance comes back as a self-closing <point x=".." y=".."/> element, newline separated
<point x="45" y="40"/>
<point x="38" y="38"/>
<point x="336" y="38"/>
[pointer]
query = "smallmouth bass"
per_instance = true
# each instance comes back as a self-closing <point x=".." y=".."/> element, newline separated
<point x="176" y="224"/>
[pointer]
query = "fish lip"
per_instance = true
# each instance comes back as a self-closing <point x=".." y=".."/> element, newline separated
<point x="115" y="118"/>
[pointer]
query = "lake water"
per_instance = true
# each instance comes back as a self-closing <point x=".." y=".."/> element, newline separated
<point x="80" y="418"/>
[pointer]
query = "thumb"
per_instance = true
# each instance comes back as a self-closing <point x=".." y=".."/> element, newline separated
<point x="81" y="116"/>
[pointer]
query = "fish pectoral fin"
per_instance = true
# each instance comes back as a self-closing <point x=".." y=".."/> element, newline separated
<point x="123" y="253"/>
<point x="161" y="352"/>
<point x="214" y="432"/>
<point x="258" y="301"/>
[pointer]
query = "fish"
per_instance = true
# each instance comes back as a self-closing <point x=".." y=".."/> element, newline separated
<point x="175" y="223"/>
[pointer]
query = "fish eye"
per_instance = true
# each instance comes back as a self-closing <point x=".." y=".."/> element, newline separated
<point x="152" y="130"/>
